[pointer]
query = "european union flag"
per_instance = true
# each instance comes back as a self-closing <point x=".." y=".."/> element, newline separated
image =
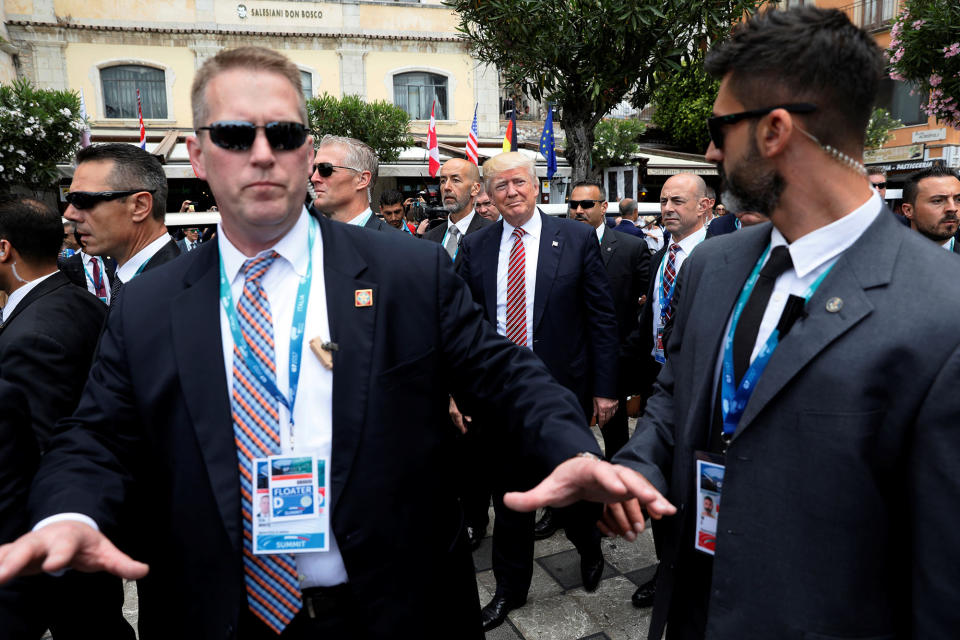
<point x="547" y="146"/>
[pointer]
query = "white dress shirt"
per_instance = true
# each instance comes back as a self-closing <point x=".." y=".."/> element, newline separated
<point x="20" y="294"/>
<point x="313" y="407"/>
<point x="687" y="245"/>
<point x="462" y="225"/>
<point x="531" y="249"/>
<point x="948" y="245"/>
<point x="811" y="254"/>
<point x="129" y="269"/>
<point x="654" y="237"/>
<point x="361" y="219"/>
<point x="601" y="229"/>
<point x="88" y="272"/>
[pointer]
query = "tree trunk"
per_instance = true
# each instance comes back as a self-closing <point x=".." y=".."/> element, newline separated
<point x="579" y="146"/>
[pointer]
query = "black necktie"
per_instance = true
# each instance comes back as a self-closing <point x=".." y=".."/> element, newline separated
<point x="115" y="290"/>
<point x="745" y="337"/>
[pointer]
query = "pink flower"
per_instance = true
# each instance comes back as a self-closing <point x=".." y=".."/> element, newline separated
<point x="918" y="23"/>
<point x="896" y="76"/>
<point x="952" y="50"/>
<point x="898" y="54"/>
<point x="935" y="80"/>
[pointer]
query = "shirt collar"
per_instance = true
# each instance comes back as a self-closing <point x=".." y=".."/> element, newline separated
<point x="132" y="266"/>
<point x="533" y="226"/>
<point x="361" y="220"/>
<point x="463" y="224"/>
<point x="602" y="229"/>
<point x="821" y="245"/>
<point x="86" y="257"/>
<point x="20" y="294"/>
<point x="691" y="241"/>
<point x="292" y="247"/>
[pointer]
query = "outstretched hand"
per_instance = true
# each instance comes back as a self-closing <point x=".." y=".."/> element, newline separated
<point x="597" y="481"/>
<point x="63" y="545"/>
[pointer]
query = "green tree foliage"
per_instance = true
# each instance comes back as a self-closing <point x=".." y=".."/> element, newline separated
<point x="878" y="129"/>
<point x="588" y="55"/>
<point x="380" y="124"/>
<point x="925" y="49"/>
<point x="616" y="141"/>
<point x="683" y="101"/>
<point x="38" y="129"/>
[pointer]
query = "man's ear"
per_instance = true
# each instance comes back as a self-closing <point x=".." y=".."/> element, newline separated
<point x="907" y="210"/>
<point x="141" y="206"/>
<point x="6" y="251"/>
<point x="196" y="157"/>
<point x="364" y="180"/>
<point x="773" y="132"/>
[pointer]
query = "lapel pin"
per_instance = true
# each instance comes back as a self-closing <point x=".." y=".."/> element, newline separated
<point x="834" y="305"/>
<point x="609" y="248"/>
<point x="324" y="352"/>
<point x="556" y="244"/>
<point x="363" y="298"/>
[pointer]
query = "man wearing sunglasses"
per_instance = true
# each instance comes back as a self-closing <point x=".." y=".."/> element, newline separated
<point x="344" y="172"/>
<point x="190" y="240"/>
<point x="118" y="198"/>
<point x="195" y="386"/>
<point x="810" y="377"/>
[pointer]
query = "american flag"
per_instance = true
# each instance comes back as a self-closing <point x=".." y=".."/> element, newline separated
<point x="472" y="139"/>
<point x="143" y="130"/>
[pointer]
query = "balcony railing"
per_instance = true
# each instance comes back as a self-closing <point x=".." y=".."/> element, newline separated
<point x="872" y="15"/>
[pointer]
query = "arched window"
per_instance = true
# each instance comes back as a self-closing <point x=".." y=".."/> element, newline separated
<point x="120" y="84"/>
<point x="416" y="91"/>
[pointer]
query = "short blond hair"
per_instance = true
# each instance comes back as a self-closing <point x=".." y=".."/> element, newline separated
<point x="505" y="162"/>
<point x="248" y="59"/>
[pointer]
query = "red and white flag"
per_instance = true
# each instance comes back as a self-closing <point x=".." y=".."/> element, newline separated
<point x="473" y="139"/>
<point x="143" y="130"/>
<point x="432" y="147"/>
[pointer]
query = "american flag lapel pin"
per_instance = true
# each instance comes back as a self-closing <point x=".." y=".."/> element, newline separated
<point x="556" y="244"/>
<point x="363" y="298"/>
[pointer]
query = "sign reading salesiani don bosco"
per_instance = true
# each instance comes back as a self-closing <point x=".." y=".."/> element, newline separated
<point x="255" y="11"/>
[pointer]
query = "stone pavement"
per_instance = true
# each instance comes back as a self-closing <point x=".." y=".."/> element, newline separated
<point x="557" y="606"/>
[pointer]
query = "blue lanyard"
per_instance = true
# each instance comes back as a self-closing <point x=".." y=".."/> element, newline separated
<point x="296" y="331"/>
<point x="734" y="401"/>
<point x="666" y="297"/>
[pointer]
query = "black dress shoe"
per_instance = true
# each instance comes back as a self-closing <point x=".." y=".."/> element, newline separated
<point x="645" y="593"/>
<point x="591" y="570"/>
<point x="493" y="615"/>
<point x="474" y="537"/>
<point x="546" y="526"/>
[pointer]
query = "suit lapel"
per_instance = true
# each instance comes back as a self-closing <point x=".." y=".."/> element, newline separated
<point x="352" y="328"/>
<point x="196" y="337"/>
<point x="868" y="263"/>
<point x="167" y="252"/>
<point x="550" y="246"/>
<point x="490" y="259"/>
<point x="608" y="245"/>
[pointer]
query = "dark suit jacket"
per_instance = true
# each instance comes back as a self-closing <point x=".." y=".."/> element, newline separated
<point x="574" y="326"/>
<point x="72" y="267"/>
<point x="46" y="346"/>
<point x="840" y="492"/>
<point x="154" y="428"/>
<point x="626" y="259"/>
<point x="436" y="233"/>
<point x="379" y="224"/>
<point x="627" y="226"/>
<point x="19" y="457"/>
<point x="724" y="224"/>
<point x="182" y="245"/>
<point x="167" y="252"/>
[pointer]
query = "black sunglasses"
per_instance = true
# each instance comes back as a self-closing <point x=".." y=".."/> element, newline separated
<point x="90" y="199"/>
<point x="325" y="169"/>
<point x="236" y="135"/>
<point x="717" y="123"/>
<point x="880" y="185"/>
<point x="583" y="204"/>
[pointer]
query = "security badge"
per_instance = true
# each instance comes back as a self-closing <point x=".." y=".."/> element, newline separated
<point x="363" y="298"/>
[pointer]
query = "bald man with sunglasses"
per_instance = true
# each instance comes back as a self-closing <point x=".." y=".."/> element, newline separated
<point x="118" y="200"/>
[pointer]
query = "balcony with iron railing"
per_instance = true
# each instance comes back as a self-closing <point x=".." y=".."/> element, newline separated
<point x="872" y="15"/>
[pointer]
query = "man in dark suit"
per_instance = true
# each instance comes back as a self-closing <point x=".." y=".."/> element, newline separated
<point x="627" y="263"/>
<point x="182" y="400"/>
<point x="931" y="202"/>
<point x="190" y="239"/>
<point x="344" y="172"/>
<point x="459" y="188"/>
<point x="93" y="273"/>
<point x="47" y="340"/>
<point x="118" y="198"/>
<point x="629" y="214"/>
<point x="848" y="419"/>
<point x="541" y="283"/>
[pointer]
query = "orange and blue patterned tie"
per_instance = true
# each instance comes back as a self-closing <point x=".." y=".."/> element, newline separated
<point x="273" y="592"/>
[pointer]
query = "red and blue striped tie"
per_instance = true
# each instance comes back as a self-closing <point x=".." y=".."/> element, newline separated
<point x="273" y="592"/>
<point x="517" y="291"/>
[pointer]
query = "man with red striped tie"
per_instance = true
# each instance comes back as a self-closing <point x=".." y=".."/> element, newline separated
<point x="542" y="284"/>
